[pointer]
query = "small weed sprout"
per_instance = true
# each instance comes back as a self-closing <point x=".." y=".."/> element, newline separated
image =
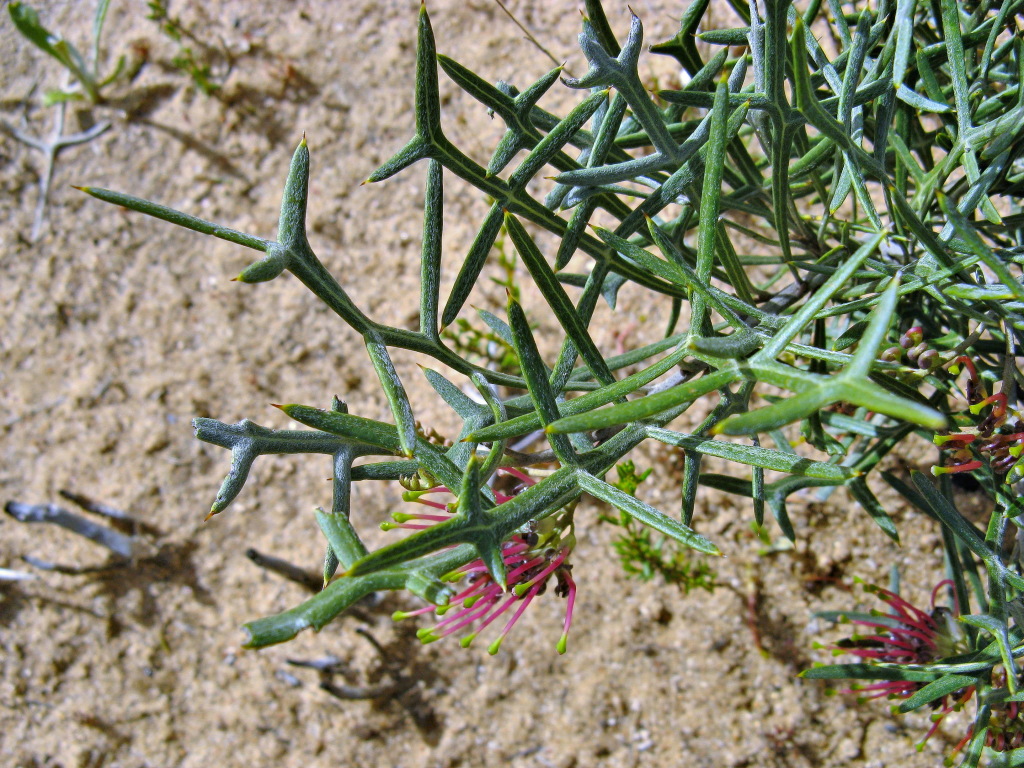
<point x="88" y="82"/>
<point x="193" y="54"/>
<point x="644" y="554"/>
<point x="85" y="84"/>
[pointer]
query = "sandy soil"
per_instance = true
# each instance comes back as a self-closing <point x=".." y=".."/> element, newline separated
<point x="117" y="330"/>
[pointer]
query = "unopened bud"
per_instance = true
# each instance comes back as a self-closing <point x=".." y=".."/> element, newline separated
<point x="912" y="337"/>
<point x="929" y="359"/>
<point x="914" y="353"/>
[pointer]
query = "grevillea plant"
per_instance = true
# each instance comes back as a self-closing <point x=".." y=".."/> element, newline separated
<point x="871" y="152"/>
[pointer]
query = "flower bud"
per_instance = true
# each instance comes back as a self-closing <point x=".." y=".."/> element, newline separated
<point x="914" y="353"/>
<point x="891" y="355"/>
<point x="912" y="337"/>
<point x="928" y="359"/>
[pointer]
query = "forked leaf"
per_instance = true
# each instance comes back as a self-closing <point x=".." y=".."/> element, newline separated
<point x="536" y="375"/>
<point x="487" y="545"/>
<point x="557" y="300"/>
<point x="644" y="407"/>
<point x="949" y="515"/>
<point x="646" y="514"/>
<point x="765" y="458"/>
<point x="868" y="672"/>
<point x="394" y="391"/>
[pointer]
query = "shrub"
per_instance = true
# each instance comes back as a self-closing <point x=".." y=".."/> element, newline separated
<point x="878" y="171"/>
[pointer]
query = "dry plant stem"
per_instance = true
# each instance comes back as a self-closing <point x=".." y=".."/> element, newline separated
<point x="51" y="148"/>
<point x="121" y="545"/>
<point x="530" y="37"/>
<point x="97" y="507"/>
<point x="290" y="571"/>
<point x="9" y="574"/>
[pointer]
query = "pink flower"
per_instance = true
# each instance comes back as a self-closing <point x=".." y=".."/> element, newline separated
<point x="1002" y="451"/>
<point x="532" y="559"/>
<point x="908" y="635"/>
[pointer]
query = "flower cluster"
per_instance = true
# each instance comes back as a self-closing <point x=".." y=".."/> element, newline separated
<point x="917" y="350"/>
<point x="533" y="558"/>
<point x="1005" y="729"/>
<point x="995" y="441"/>
<point x="907" y="635"/>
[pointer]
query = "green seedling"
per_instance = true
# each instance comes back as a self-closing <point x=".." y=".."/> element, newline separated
<point x="88" y="82"/>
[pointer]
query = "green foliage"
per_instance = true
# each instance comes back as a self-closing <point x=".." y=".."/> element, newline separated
<point x="644" y="559"/>
<point x="644" y="555"/>
<point x="872" y="153"/>
<point x="196" y="65"/>
<point x="85" y="72"/>
<point x="629" y="480"/>
<point x="507" y="262"/>
<point x="493" y="347"/>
